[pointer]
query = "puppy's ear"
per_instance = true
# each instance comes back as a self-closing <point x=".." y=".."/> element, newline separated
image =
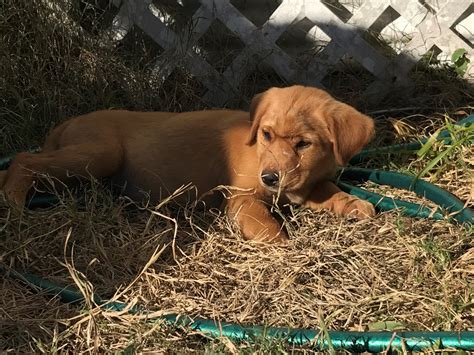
<point x="256" y="112"/>
<point x="350" y="130"/>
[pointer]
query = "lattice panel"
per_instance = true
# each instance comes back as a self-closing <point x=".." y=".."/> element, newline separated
<point x="433" y="28"/>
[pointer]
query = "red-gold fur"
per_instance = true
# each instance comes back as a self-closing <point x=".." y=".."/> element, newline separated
<point x="296" y="136"/>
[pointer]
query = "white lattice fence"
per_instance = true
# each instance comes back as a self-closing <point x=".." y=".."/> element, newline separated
<point x="433" y="27"/>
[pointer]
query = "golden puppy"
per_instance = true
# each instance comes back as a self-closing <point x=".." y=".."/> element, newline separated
<point x="288" y="149"/>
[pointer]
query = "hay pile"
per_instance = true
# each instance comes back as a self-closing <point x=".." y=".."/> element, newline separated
<point x="344" y="274"/>
<point x="348" y="274"/>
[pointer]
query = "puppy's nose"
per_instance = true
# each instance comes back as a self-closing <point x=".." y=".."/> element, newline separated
<point x="270" y="178"/>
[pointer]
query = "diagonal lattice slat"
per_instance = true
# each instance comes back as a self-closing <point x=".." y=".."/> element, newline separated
<point x="433" y="28"/>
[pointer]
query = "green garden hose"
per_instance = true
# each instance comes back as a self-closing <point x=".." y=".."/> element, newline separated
<point x="359" y="342"/>
<point x="454" y="207"/>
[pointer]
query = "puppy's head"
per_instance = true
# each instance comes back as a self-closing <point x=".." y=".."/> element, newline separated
<point x="302" y="134"/>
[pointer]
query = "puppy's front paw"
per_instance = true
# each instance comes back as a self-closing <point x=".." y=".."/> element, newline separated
<point x="359" y="209"/>
<point x="281" y="239"/>
<point x="265" y="238"/>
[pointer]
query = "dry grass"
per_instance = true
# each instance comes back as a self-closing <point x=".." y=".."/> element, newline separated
<point x="169" y="259"/>
<point x="416" y="272"/>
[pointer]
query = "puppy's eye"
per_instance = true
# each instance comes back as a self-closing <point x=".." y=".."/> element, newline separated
<point x="266" y="135"/>
<point x="302" y="144"/>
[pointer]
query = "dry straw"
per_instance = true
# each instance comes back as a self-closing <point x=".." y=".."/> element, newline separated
<point x="343" y="273"/>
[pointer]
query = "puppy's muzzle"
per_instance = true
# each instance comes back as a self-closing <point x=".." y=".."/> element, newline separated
<point x="270" y="178"/>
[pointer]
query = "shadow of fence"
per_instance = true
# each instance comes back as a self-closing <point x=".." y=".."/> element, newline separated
<point x="65" y="58"/>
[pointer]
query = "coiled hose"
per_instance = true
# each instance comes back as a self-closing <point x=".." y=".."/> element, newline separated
<point x="336" y="340"/>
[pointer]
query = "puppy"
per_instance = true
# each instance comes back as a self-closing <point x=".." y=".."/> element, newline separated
<point x="287" y="150"/>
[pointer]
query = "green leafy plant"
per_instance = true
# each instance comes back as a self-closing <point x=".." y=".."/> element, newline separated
<point x="439" y="150"/>
<point x="460" y="61"/>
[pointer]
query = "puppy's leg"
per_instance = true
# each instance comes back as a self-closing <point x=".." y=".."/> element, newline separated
<point x="328" y="195"/>
<point x="255" y="220"/>
<point x="84" y="160"/>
